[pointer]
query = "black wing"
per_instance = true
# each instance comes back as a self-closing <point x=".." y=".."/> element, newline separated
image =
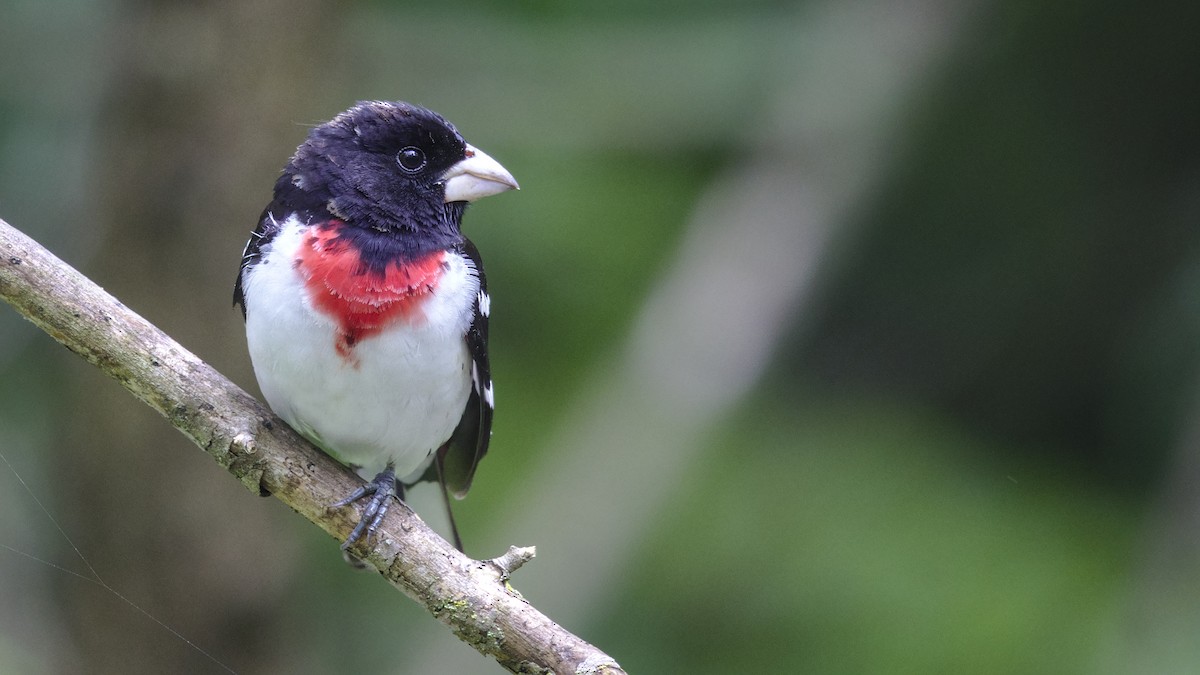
<point x="290" y="199"/>
<point x="459" y="457"/>
<point x="268" y="227"/>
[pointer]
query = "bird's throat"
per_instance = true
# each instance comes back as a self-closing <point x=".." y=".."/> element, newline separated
<point x="363" y="298"/>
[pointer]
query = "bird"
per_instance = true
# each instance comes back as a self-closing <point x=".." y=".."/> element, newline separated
<point x="366" y="309"/>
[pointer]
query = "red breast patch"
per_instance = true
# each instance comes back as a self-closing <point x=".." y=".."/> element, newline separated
<point x="362" y="300"/>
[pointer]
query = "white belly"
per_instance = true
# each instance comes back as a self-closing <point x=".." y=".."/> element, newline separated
<point x="400" y="394"/>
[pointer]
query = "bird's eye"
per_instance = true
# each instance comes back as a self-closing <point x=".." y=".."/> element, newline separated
<point x="411" y="159"/>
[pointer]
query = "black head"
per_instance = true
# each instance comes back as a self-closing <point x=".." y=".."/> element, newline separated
<point x="379" y="165"/>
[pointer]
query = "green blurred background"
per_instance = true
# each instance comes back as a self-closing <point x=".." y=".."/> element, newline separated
<point x="829" y="337"/>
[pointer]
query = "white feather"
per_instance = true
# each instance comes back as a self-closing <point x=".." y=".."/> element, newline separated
<point x="396" y="400"/>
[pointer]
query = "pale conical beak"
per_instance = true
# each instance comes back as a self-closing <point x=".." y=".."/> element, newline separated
<point x="476" y="177"/>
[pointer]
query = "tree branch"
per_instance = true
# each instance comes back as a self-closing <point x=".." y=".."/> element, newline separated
<point x="268" y="457"/>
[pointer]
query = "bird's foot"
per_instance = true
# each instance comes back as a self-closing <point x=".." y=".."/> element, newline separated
<point x="382" y="489"/>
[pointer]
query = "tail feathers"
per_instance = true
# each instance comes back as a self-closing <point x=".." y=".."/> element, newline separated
<point x="441" y="480"/>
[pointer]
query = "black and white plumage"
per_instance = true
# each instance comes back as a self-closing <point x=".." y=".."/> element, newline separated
<point x="366" y="308"/>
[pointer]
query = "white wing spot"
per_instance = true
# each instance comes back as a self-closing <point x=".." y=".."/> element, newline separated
<point x="485" y="304"/>
<point x="488" y="396"/>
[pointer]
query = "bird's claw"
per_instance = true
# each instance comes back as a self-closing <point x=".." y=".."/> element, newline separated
<point x="382" y="489"/>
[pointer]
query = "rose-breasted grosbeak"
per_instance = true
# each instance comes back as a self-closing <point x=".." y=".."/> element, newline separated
<point x="366" y="308"/>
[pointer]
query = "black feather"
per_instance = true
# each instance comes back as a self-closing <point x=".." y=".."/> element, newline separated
<point x="461" y="455"/>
